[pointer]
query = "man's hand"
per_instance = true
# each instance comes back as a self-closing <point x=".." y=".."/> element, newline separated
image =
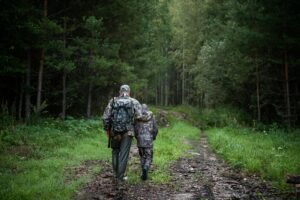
<point x="109" y="138"/>
<point x="107" y="133"/>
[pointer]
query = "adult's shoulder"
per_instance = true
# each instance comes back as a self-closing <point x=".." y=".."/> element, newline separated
<point x="112" y="99"/>
<point x="134" y="100"/>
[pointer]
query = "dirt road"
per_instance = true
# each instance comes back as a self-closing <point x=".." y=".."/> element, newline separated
<point x="198" y="176"/>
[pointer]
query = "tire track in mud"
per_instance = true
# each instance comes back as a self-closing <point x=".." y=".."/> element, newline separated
<point x="200" y="175"/>
<point x="228" y="183"/>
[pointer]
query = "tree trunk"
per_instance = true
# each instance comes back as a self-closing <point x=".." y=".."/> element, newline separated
<point x="13" y="108"/>
<point x="183" y="74"/>
<point x="258" y="91"/>
<point x="183" y="84"/>
<point x="20" y="109"/>
<point x="89" y="102"/>
<point x="45" y="8"/>
<point x="64" y="77"/>
<point x="64" y="94"/>
<point x="90" y="86"/>
<point x="161" y="89"/>
<point x="203" y="99"/>
<point x="174" y="88"/>
<point x="188" y="87"/>
<point x="286" y="70"/>
<point x="295" y="99"/>
<point x="177" y="87"/>
<point x="41" y="69"/>
<point x="156" y="96"/>
<point x="40" y="80"/>
<point x="166" y="89"/>
<point x="27" y="89"/>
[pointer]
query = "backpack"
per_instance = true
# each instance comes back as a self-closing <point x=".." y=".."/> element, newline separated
<point x="122" y="114"/>
<point x="144" y="133"/>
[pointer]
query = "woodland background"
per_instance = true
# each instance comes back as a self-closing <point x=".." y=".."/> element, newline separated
<point x="67" y="58"/>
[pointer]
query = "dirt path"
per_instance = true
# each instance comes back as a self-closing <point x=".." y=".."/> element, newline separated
<point x="198" y="176"/>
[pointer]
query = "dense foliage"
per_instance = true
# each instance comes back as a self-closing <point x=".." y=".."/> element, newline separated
<point x="69" y="57"/>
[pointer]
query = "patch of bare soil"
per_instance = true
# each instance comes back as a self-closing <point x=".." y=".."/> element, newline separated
<point x="74" y="173"/>
<point x="162" y="119"/>
<point x="201" y="175"/>
<point x="23" y="151"/>
<point x="228" y="183"/>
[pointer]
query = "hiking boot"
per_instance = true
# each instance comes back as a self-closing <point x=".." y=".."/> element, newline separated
<point x="123" y="179"/>
<point x="144" y="174"/>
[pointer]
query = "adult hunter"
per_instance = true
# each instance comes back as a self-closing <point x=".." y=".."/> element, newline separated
<point x="118" y="120"/>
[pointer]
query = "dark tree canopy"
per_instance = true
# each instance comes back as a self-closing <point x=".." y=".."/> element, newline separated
<point x="61" y="58"/>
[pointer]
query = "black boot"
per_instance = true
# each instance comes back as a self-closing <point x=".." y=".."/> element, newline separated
<point x="144" y="174"/>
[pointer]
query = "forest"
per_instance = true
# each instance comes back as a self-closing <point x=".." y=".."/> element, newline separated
<point x="67" y="58"/>
<point x="222" y="79"/>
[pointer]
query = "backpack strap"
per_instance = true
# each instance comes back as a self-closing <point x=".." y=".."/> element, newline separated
<point x="131" y="114"/>
<point x="112" y="103"/>
<point x="132" y="111"/>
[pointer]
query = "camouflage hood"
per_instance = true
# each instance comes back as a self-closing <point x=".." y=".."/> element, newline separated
<point x="147" y="115"/>
<point x="145" y="130"/>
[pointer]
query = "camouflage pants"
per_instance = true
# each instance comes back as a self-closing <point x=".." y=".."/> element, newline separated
<point x="120" y="153"/>
<point x="146" y="156"/>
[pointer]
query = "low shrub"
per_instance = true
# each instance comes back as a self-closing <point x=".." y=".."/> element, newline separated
<point x="224" y="116"/>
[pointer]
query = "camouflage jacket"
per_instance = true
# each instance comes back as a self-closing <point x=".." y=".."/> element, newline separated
<point x="145" y="131"/>
<point x="137" y="114"/>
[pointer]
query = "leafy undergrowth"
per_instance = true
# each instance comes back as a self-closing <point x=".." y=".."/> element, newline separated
<point x="190" y="113"/>
<point x="34" y="159"/>
<point x="273" y="154"/>
<point x="206" y="118"/>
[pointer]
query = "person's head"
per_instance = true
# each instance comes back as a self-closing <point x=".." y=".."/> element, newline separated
<point x="124" y="90"/>
<point x="144" y="108"/>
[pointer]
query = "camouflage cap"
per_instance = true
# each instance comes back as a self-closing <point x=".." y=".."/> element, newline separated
<point x="144" y="107"/>
<point x="124" y="88"/>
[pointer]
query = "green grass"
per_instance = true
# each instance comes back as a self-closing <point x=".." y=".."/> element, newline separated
<point x="36" y="160"/>
<point x="171" y="144"/>
<point x="273" y="154"/>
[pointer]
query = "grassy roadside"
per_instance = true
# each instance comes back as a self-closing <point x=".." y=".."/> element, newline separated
<point x="39" y="161"/>
<point x="267" y="150"/>
<point x="273" y="154"/>
<point x="34" y="159"/>
<point x="170" y="146"/>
